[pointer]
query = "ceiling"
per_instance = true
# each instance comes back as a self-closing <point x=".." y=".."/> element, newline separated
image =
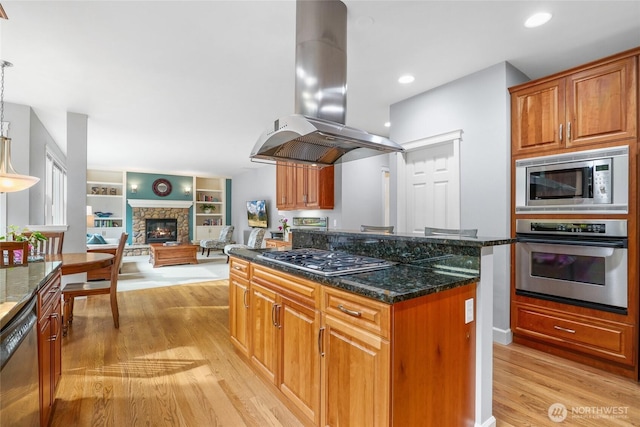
<point x="187" y="87"/>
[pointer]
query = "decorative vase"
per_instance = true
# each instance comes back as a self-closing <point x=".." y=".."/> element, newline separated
<point x="286" y="235"/>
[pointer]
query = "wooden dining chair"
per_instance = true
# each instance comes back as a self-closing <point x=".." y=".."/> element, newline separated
<point x="110" y="287"/>
<point x="51" y="246"/>
<point x="8" y="254"/>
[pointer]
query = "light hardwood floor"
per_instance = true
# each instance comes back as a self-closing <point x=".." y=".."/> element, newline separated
<point x="171" y="364"/>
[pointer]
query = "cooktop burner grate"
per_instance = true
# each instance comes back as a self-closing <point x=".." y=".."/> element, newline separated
<point x="327" y="263"/>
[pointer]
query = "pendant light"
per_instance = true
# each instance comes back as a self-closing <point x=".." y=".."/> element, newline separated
<point x="10" y="180"/>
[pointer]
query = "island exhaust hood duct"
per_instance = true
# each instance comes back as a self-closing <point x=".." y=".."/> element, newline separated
<point x="317" y="134"/>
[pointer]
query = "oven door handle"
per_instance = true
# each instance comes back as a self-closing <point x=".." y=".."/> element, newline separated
<point x="618" y="243"/>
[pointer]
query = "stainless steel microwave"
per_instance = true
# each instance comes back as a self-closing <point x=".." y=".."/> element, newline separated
<point x="586" y="181"/>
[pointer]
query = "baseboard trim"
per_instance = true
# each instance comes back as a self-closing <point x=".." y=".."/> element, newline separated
<point x="502" y="336"/>
<point x="490" y="422"/>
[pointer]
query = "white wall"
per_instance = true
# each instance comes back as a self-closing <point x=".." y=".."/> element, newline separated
<point x="362" y="202"/>
<point x="75" y="239"/>
<point x="15" y="209"/>
<point x="39" y="142"/>
<point x="479" y="105"/>
<point x="29" y="142"/>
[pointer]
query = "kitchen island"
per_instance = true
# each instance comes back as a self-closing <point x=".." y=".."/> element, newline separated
<point x="424" y="269"/>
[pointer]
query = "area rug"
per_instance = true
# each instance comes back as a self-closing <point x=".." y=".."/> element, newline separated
<point x="137" y="273"/>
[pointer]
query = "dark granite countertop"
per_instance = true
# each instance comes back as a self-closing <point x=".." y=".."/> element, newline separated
<point x="397" y="283"/>
<point x="19" y="284"/>
<point x="422" y="265"/>
<point x="478" y="242"/>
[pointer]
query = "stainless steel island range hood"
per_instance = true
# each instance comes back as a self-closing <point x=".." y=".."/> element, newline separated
<point x="317" y="134"/>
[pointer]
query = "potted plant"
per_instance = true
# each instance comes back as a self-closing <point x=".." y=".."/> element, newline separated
<point x="18" y="235"/>
<point x="285" y="228"/>
<point x="208" y="208"/>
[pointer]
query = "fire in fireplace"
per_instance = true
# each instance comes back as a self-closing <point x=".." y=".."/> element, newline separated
<point x="160" y="230"/>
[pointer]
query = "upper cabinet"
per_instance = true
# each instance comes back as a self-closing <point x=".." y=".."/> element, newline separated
<point x="105" y="195"/>
<point x="285" y="186"/>
<point x="601" y="103"/>
<point x="304" y="187"/>
<point x="592" y="105"/>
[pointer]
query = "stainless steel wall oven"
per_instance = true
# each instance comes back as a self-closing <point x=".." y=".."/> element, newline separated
<point x="580" y="262"/>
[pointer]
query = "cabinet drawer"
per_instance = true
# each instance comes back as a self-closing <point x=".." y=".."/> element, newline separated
<point x="368" y="314"/>
<point x="296" y="288"/>
<point x="49" y="294"/>
<point x="239" y="267"/>
<point x="610" y="340"/>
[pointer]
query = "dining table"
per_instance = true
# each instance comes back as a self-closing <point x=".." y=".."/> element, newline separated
<point x="81" y="262"/>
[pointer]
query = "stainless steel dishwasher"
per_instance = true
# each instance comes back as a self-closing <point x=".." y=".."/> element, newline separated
<point x="19" y="378"/>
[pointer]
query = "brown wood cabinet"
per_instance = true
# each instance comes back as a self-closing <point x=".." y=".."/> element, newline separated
<point x="285" y="325"/>
<point x="338" y="358"/>
<point x="412" y="363"/>
<point x="49" y="343"/>
<point x="596" y="336"/>
<point x="304" y="187"/>
<point x="355" y="360"/>
<point x="592" y="105"/>
<point x="285" y="186"/>
<point x="239" y="304"/>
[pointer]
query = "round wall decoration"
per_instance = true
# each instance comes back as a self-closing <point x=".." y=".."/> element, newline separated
<point x="161" y="187"/>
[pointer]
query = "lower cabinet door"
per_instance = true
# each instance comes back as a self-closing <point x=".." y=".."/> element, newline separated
<point x="239" y="313"/>
<point x="56" y="343"/>
<point x="300" y="357"/>
<point x="46" y="364"/>
<point x="356" y="374"/>
<point x="264" y="331"/>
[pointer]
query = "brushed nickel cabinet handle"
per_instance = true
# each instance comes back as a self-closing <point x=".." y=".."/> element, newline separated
<point x="273" y="315"/>
<point x="320" y="346"/>
<point x="569" y="131"/>
<point x="349" y="312"/>
<point x="560" y="328"/>
<point x="244" y="298"/>
<point x="560" y="132"/>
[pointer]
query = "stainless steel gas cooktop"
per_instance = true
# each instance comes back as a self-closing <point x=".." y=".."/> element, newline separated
<point x="326" y="263"/>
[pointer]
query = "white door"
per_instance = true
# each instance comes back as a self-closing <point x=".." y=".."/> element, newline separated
<point x="432" y="187"/>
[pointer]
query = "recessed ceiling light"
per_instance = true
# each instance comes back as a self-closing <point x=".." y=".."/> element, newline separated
<point x="537" y="19"/>
<point x="407" y="78"/>
<point x="387" y="124"/>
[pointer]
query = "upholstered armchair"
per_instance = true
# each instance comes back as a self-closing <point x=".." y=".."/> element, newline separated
<point x="225" y="238"/>
<point x="254" y="242"/>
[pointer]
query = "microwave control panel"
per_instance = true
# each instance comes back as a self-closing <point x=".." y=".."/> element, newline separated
<point x="602" y="181"/>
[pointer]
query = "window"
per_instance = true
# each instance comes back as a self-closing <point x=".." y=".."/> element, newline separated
<point x="56" y="192"/>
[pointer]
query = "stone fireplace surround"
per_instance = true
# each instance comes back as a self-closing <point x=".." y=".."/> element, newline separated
<point x="144" y="209"/>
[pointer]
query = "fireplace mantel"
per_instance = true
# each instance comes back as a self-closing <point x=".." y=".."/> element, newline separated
<point x="154" y="203"/>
